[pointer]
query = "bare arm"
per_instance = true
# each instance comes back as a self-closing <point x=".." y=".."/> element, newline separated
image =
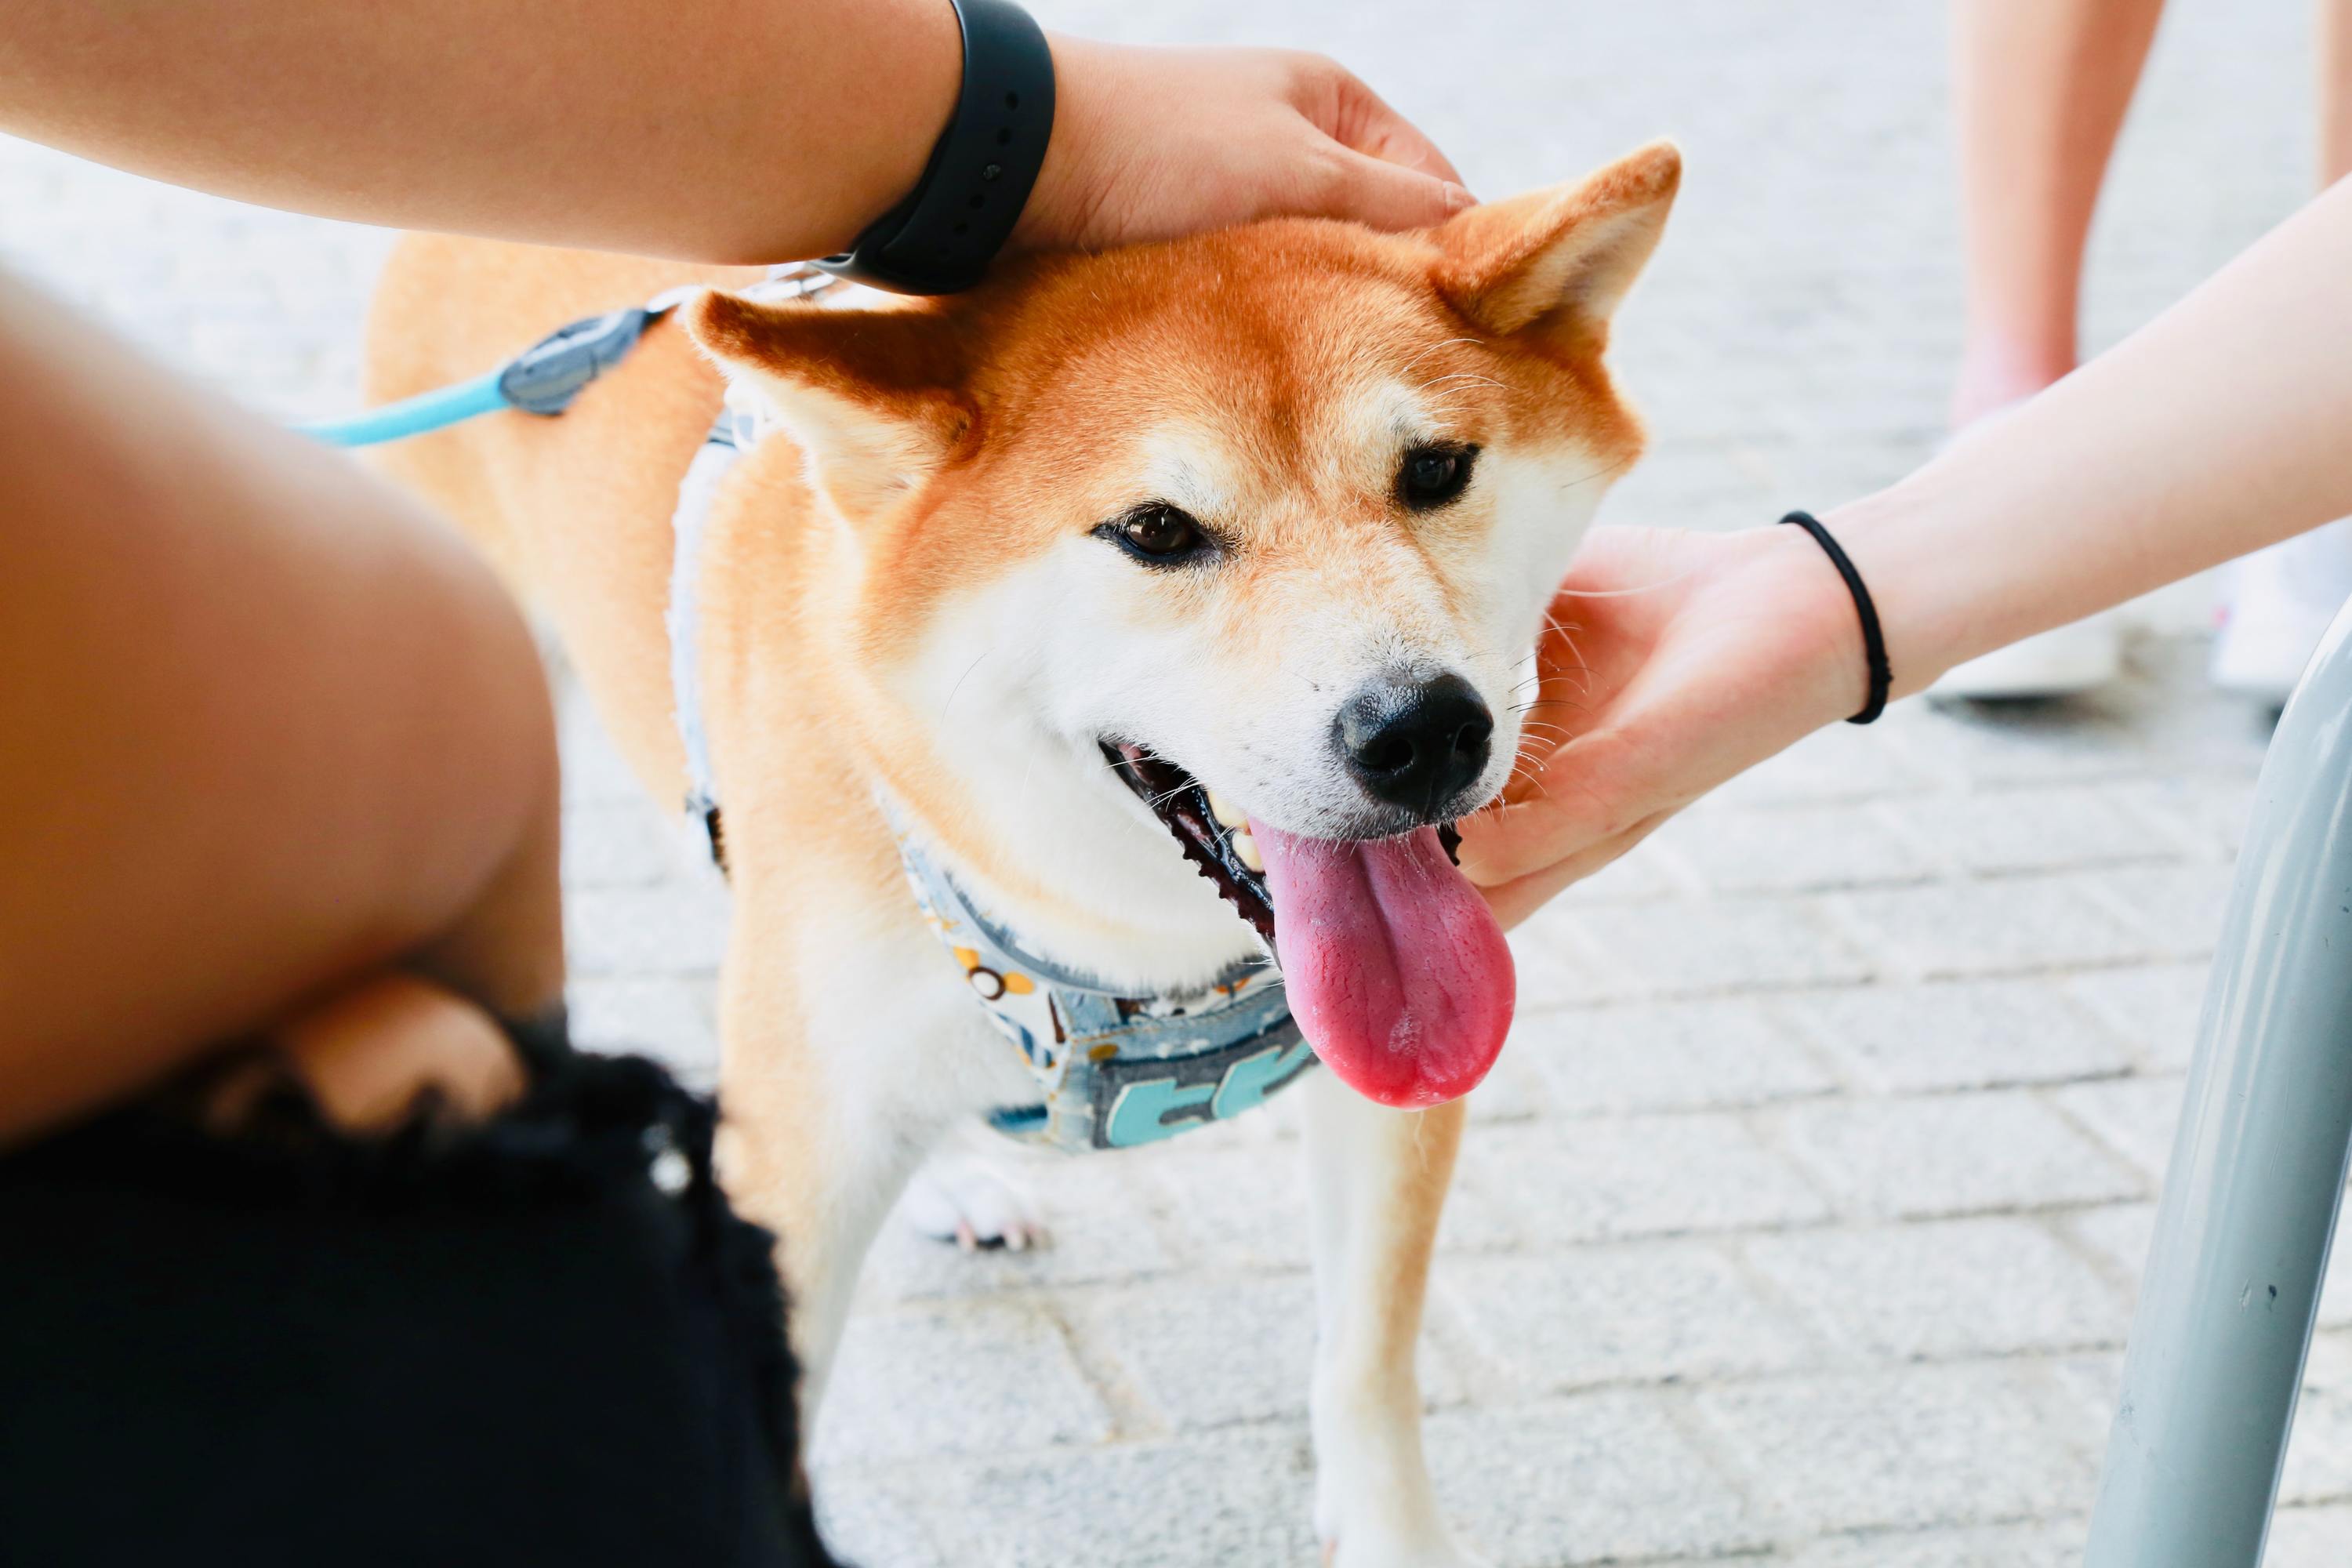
<point x="2223" y="425"/>
<point x="707" y="129"/>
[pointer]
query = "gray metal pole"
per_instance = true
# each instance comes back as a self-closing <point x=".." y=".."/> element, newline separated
<point x="2258" y="1167"/>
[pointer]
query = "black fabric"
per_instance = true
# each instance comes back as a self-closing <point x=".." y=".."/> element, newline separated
<point x="544" y="1340"/>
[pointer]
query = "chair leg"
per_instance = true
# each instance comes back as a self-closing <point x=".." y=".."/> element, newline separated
<point x="2257" y="1169"/>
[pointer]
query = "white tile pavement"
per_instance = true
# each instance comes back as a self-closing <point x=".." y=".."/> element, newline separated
<point x="1909" y="1446"/>
<point x="1804" y="1231"/>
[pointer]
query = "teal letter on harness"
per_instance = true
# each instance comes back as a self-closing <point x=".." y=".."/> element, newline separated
<point x="1249" y="1080"/>
<point x="1141" y="1112"/>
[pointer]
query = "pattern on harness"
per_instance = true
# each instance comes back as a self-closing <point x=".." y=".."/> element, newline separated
<point x="1114" y="1070"/>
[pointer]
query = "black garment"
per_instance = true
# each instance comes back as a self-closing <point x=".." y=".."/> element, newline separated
<point x="544" y="1341"/>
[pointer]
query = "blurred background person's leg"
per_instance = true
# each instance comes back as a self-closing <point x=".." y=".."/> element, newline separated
<point x="2277" y="603"/>
<point x="2334" y="90"/>
<point x="2041" y="87"/>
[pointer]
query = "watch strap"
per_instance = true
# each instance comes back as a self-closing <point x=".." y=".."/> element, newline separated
<point x="941" y="237"/>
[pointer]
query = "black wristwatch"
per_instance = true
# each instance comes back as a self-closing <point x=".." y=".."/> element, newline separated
<point x="941" y="238"/>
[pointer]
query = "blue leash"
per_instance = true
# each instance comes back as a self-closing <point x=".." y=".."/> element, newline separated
<point x="414" y="416"/>
<point x="543" y="379"/>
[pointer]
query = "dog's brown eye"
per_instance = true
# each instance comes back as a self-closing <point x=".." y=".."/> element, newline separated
<point x="1432" y="475"/>
<point x="1159" y="534"/>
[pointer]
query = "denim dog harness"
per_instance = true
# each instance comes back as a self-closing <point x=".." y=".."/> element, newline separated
<point x="1112" y="1071"/>
<point x="1116" y="1070"/>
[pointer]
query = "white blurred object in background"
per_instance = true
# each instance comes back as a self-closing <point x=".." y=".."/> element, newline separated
<point x="2277" y="604"/>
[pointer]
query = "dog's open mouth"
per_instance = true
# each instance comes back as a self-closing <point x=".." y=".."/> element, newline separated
<point x="1396" y="970"/>
<point x="1217" y="849"/>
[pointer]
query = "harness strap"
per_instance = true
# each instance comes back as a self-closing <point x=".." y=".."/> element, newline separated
<point x="732" y="434"/>
<point x="683" y="619"/>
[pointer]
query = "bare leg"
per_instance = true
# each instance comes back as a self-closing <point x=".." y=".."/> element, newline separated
<point x="2334" y="90"/>
<point x="2280" y="601"/>
<point x="271" y="729"/>
<point x="1377" y="1185"/>
<point x="2042" y="87"/>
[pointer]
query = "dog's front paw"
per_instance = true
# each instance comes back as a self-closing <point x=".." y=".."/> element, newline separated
<point x="966" y="1199"/>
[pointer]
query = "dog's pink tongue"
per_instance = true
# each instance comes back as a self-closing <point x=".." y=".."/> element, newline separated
<point x="1395" y="967"/>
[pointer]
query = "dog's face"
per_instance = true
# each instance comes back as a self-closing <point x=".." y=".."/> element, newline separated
<point x="1275" y="511"/>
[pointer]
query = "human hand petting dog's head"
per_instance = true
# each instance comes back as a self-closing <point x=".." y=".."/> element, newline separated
<point x="1154" y="144"/>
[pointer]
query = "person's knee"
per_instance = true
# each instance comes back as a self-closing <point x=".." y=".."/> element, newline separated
<point x="375" y="1055"/>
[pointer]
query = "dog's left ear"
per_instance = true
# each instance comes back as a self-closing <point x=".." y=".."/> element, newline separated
<point x="1559" y="261"/>
<point x="869" y="396"/>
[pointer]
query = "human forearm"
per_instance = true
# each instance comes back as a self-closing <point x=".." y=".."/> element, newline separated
<point x="715" y="132"/>
<point x="722" y="132"/>
<point x="2223" y="425"/>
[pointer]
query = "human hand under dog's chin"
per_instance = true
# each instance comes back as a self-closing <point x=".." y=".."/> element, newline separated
<point x="1675" y="661"/>
<point x="1153" y="143"/>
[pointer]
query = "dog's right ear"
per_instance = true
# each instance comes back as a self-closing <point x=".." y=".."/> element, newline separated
<point x="869" y="396"/>
<point x="1556" y="263"/>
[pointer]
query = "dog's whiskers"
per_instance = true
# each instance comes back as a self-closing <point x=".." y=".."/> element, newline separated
<point x="1463" y="376"/>
<point x="1522" y="773"/>
<point x="1541" y="703"/>
<point x="1579" y="667"/>
<point x="947" y="705"/>
<point x="1627" y="592"/>
<point x="1600" y="473"/>
<point x="1442" y="342"/>
<point x="1153" y="801"/>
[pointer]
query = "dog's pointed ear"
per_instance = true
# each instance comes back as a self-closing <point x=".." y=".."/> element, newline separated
<point x="1560" y="260"/>
<point x="870" y="397"/>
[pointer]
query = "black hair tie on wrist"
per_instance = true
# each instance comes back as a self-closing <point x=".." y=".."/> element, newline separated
<point x="1873" y="641"/>
<point x="943" y="235"/>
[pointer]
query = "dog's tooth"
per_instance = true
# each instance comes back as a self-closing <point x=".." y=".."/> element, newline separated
<point x="1227" y="814"/>
<point x="1245" y="846"/>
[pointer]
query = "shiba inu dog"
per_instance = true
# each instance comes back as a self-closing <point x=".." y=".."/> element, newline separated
<point x="1142" y="610"/>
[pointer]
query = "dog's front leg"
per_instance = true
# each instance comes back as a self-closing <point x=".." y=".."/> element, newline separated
<point x="821" y="1142"/>
<point x="826" y="1195"/>
<point x="1377" y="1184"/>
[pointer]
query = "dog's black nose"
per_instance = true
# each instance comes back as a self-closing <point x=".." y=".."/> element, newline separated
<point x="1417" y="743"/>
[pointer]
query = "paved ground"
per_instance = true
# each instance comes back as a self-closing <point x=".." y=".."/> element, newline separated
<point x="1801" y="1222"/>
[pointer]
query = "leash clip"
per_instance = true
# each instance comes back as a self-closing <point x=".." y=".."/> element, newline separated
<point x="545" y="377"/>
